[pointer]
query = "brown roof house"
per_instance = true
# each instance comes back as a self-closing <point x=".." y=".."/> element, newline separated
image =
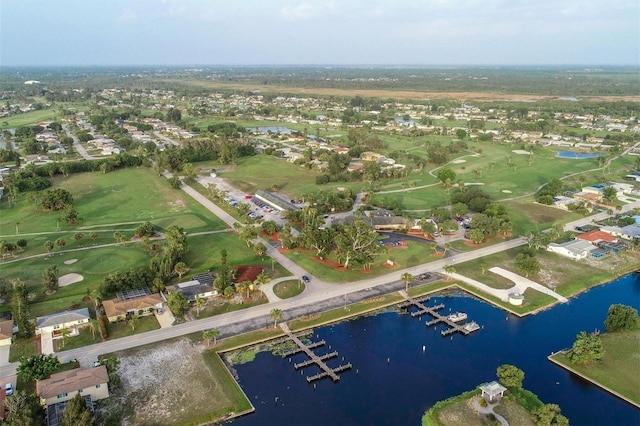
<point x="118" y="309"/>
<point x="64" y="386"/>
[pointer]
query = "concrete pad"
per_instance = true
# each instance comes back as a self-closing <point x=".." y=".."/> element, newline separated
<point x="4" y="354"/>
<point x="166" y="318"/>
<point x="46" y="341"/>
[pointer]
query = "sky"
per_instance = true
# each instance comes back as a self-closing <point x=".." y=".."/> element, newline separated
<point x="319" y="32"/>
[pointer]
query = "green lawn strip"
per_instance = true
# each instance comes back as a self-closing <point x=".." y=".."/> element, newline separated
<point x="617" y="372"/>
<point x="534" y="301"/>
<point x="255" y="300"/>
<point x="287" y="289"/>
<point x="413" y="254"/>
<point x="23" y="347"/>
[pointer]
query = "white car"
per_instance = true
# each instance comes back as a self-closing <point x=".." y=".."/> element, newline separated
<point x="8" y="389"/>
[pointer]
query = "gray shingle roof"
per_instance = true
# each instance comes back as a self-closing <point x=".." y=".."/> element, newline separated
<point x="62" y="318"/>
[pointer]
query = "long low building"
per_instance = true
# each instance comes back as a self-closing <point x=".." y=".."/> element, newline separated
<point x="276" y="201"/>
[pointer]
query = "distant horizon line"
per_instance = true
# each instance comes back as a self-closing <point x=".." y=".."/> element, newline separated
<point x="336" y="65"/>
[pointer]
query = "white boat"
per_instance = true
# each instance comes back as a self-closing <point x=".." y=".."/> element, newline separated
<point x="457" y="317"/>
<point x="471" y="326"/>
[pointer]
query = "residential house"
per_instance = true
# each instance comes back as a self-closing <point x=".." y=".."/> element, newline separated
<point x="70" y="320"/>
<point x="574" y="249"/>
<point x="61" y="387"/>
<point x="200" y="286"/>
<point x="120" y="308"/>
<point x="596" y="236"/>
<point x="6" y="332"/>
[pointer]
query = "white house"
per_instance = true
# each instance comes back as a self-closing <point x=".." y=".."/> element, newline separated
<point x="70" y="320"/>
<point x="574" y="249"/>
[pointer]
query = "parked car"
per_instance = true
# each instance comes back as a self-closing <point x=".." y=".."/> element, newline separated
<point x="8" y="389"/>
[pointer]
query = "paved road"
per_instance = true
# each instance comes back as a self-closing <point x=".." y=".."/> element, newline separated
<point x="318" y="296"/>
<point x="77" y="145"/>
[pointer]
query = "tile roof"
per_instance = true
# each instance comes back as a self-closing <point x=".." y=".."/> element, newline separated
<point x="71" y="381"/>
<point x="117" y="307"/>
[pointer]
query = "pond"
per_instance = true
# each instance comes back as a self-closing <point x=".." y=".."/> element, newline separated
<point x="573" y="155"/>
<point x="393" y="380"/>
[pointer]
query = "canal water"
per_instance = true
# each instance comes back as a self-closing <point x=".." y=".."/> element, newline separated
<point x="393" y="380"/>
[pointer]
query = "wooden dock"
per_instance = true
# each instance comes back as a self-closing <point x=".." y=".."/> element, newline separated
<point x="313" y="358"/>
<point x="466" y="328"/>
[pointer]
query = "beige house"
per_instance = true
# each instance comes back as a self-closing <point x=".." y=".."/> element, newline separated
<point x="118" y="309"/>
<point x="64" y="386"/>
<point x="6" y="332"/>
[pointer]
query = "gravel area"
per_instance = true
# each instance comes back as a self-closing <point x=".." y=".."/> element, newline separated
<point x="167" y="383"/>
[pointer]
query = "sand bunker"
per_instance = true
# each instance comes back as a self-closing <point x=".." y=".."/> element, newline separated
<point x="70" y="261"/>
<point x="459" y="161"/>
<point x="69" y="279"/>
<point x="521" y="152"/>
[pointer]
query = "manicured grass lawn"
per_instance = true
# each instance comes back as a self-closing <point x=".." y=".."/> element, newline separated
<point x="114" y="330"/>
<point x="414" y="254"/>
<point x="263" y="171"/>
<point x="27" y="118"/>
<point x="130" y="196"/>
<point x="567" y="276"/>
<point x="287" y="289"/>
<point x="618" y="370"/>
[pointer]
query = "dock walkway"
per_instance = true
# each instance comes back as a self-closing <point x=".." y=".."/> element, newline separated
<point x="313" y="358"/>
<point x="465" y="328"/>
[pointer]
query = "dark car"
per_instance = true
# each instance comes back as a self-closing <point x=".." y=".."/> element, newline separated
<point x="306" y="279"/>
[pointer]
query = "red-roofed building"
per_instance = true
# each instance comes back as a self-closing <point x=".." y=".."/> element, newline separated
<point x="247" y="273"/>
<point x="597" y="236"/>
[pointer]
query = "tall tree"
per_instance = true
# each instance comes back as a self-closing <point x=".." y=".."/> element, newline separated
<point x="621" y="317"/>
<point x="510" y="376"/>
<point x="407" y="278"/>
<point x="20" y="308"/>
<point x="276" y="315"/>
<point x="50" y="278"/>
<point x="23" y="409"/>
<point x="77" y="413"/>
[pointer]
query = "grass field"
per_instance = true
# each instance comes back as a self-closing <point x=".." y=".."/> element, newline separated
<point x="622" y="357"/>
<point x="413" y="254"/>
<point x="287" y="289"/>
<point x="27" y="118"/>
<point x="128" y="196"/>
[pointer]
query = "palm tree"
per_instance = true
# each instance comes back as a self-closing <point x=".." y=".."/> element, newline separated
<point x="262" y="279"/>
<point x="214" y="333"/>
<point x="64" y="333"/>
<point x="244" y="286"/>
<point x="48" y="246"/>
<point x="407" y="278"/>
<point x="449" y="270"/>
<point x="199" y="302"/>
<point x="93" y="326"/>
<point x="276" y="315"/>
<point x="133" y="322"/>
<point x="180" y="268"/>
